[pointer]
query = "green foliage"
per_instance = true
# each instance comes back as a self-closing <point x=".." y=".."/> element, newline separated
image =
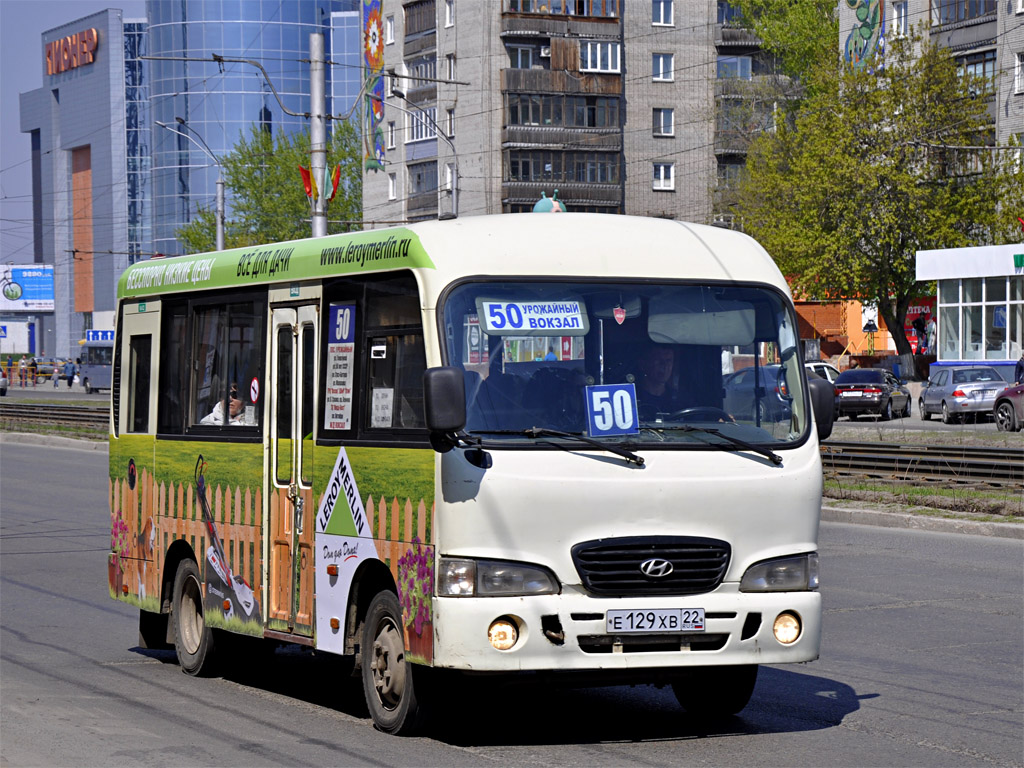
<point x="264" y="194"/>
<point x="867" y="173"/>
<point x="801" y="34"/>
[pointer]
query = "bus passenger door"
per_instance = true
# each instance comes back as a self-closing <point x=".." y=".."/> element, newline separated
<point x="291" y="505"/>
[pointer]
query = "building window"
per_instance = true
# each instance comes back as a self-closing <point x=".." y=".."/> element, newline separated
<point x="661" y="12"/>
<point x="390" y="83"/>
<point x="554" y="166"/>
<point x="449" y="61"/>
<point x="664" y="176"/>
<point x="729" y="174"/>
<point x="450" y="120"/>
<point x="663" y="67"/>
<point x="422" y="71"/>
<point x="389" y="30"/>
<point x="449" y="176"/>
<point x="981" y="318"/>
<point x="738" y="67"/>
<point x="562" y="110"/>
<point x="392" y="187"/>
<point x="980" y="65"/>
<point x="520" y="58"/>
<point x="391" y="135"/>
<point x="663" y="121"/>
<point x="1018" y="73"/>
<point x="899" y="18"/>
<point x="421" y="125"/>
<point x="727" y="12"/>
<point x="599" y="57"/>
<point x="950" y="11"/>
<point x="423" y="178"/>
<point x="449" y="13"/>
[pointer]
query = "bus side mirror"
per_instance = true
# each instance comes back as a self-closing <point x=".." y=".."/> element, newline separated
<point x="444" y="396"/>
<point x="823" y="402"/>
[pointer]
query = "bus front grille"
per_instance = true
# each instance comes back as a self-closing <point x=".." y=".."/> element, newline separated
<point x="651" y="565"/>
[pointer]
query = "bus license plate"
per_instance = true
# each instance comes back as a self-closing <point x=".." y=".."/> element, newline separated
<point x="658" y="620"/>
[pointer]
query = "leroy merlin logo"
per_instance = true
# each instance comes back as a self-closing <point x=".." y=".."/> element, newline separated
<point x="1018" y="260"/>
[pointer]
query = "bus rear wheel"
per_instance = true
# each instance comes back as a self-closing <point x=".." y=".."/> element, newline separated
<point x="88" y="389"/>
<point x="387" y="677"/>
<point x="193" y="638"/>
<point x="714" y="692"/>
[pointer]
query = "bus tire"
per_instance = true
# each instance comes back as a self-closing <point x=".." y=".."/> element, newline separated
<point x="387" y="677"/>
<point x="714" y="692"/>
<point x="193" y="638"/>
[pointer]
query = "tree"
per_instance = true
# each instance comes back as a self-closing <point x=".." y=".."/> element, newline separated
<point x="873" y="167"/>
<point x="266" y="198"/>
<point x="801" y="34"/>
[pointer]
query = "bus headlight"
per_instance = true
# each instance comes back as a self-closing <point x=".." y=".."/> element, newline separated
<point x="797" y="573"/>
<point x="460" y="577"/>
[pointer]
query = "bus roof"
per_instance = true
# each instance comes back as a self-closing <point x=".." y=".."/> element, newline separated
<point x="564" y="244"/>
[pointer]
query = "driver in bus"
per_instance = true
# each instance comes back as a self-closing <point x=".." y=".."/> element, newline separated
<point x="216" y="416"/>
<point x="654" y="392"/>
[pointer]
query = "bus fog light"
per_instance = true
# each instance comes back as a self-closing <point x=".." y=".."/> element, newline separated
<point x="503" y="633"/>
<point x="787" y="628"/>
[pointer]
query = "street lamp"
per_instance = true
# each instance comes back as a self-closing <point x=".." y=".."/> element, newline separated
<point x="422" y="114"/>
<point x="220" y="172"/>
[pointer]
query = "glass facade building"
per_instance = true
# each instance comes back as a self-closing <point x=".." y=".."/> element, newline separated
<point x="219" y="102"/>
<point x="137" y="128"/>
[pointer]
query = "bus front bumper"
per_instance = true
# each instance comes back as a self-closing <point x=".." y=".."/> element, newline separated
<point x="569" y="632"/>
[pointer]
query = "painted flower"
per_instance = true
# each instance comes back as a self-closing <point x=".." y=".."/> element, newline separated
<point x="374" y="41"/>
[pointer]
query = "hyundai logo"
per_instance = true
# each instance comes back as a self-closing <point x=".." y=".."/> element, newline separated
<point x="656" y="568"/>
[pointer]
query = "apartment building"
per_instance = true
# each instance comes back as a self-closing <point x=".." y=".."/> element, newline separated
<point x="485" y="107"/>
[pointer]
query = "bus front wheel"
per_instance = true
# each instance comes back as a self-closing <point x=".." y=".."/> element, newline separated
<point x="712" y="692"/>
<point x="193" y="638"/>
<point x="387" y="677"/>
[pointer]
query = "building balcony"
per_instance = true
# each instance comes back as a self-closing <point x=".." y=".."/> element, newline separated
<point x="559" y="81"/>
<point x="727" y="36"/>
<point x="569" y="192"/>
<point x="558" y="137"/>
<point x="421" y="203"/>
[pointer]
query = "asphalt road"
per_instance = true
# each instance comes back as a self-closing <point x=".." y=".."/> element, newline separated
<point x="922" y="665"/>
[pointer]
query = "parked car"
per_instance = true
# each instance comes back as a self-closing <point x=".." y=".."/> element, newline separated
<point x="3" y="383"/>
<point x="957" y="391"/>
<point x="774" y="402"/>
<point x="45" y="367"/>
<point x="871" y="391"/>
<point x="825" y="370"/>
<point x="1008" y="410"/>
<point x="811" y="374"/>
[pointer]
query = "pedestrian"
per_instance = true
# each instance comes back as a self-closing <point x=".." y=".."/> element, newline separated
<point x="22" y="370"/>
<point x="69" y="372"/>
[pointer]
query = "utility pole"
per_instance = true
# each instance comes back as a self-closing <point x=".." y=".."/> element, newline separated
<point x="318" y="131"/>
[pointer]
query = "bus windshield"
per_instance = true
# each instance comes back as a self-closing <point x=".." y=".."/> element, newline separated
<point x="640" y="363"/>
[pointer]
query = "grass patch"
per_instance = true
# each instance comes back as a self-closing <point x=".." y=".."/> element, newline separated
<point x="1001" y="505"/>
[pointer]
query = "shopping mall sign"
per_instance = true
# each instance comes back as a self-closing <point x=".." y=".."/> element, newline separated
<point x="72" y="51"/>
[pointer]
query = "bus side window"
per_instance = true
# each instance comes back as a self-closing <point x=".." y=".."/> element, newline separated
<point x="138" y="383"/>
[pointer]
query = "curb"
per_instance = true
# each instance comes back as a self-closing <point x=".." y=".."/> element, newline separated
<point x="53" y="441"/>
<point x="920" y="522"/>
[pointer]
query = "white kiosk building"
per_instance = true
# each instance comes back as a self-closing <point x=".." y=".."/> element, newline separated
<point x="980" y="304"/>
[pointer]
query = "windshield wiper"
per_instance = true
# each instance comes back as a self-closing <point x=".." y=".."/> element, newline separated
<point x="539" y="432"/>
<point x="766" y="452"/>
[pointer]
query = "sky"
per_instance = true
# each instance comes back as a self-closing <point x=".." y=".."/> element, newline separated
<point x="22" y="23"/>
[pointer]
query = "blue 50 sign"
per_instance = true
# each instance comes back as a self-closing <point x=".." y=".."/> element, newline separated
<point x="611" y="410"/>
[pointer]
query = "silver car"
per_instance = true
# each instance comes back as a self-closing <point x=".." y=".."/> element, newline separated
<point x="957" y="391"/>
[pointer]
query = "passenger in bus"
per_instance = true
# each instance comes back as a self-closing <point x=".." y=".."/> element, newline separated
<point x="655" y="392"/>
<point x="216" y="416"/>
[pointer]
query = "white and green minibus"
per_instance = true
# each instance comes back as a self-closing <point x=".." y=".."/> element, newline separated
<point x="579" y="446"/>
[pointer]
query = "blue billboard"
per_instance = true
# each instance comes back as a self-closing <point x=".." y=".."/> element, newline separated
<point x="26" y="288"/>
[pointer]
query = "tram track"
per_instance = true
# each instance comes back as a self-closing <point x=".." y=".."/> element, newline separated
<point x="943" y="465"/>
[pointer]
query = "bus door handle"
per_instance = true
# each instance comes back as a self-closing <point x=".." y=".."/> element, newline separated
<point x="300" y="505"/>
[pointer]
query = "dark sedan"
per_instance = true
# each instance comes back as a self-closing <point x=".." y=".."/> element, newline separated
<point x="1008" y="410"/>
<point x="761" y="389"/>
<point x="863" y="391"/>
